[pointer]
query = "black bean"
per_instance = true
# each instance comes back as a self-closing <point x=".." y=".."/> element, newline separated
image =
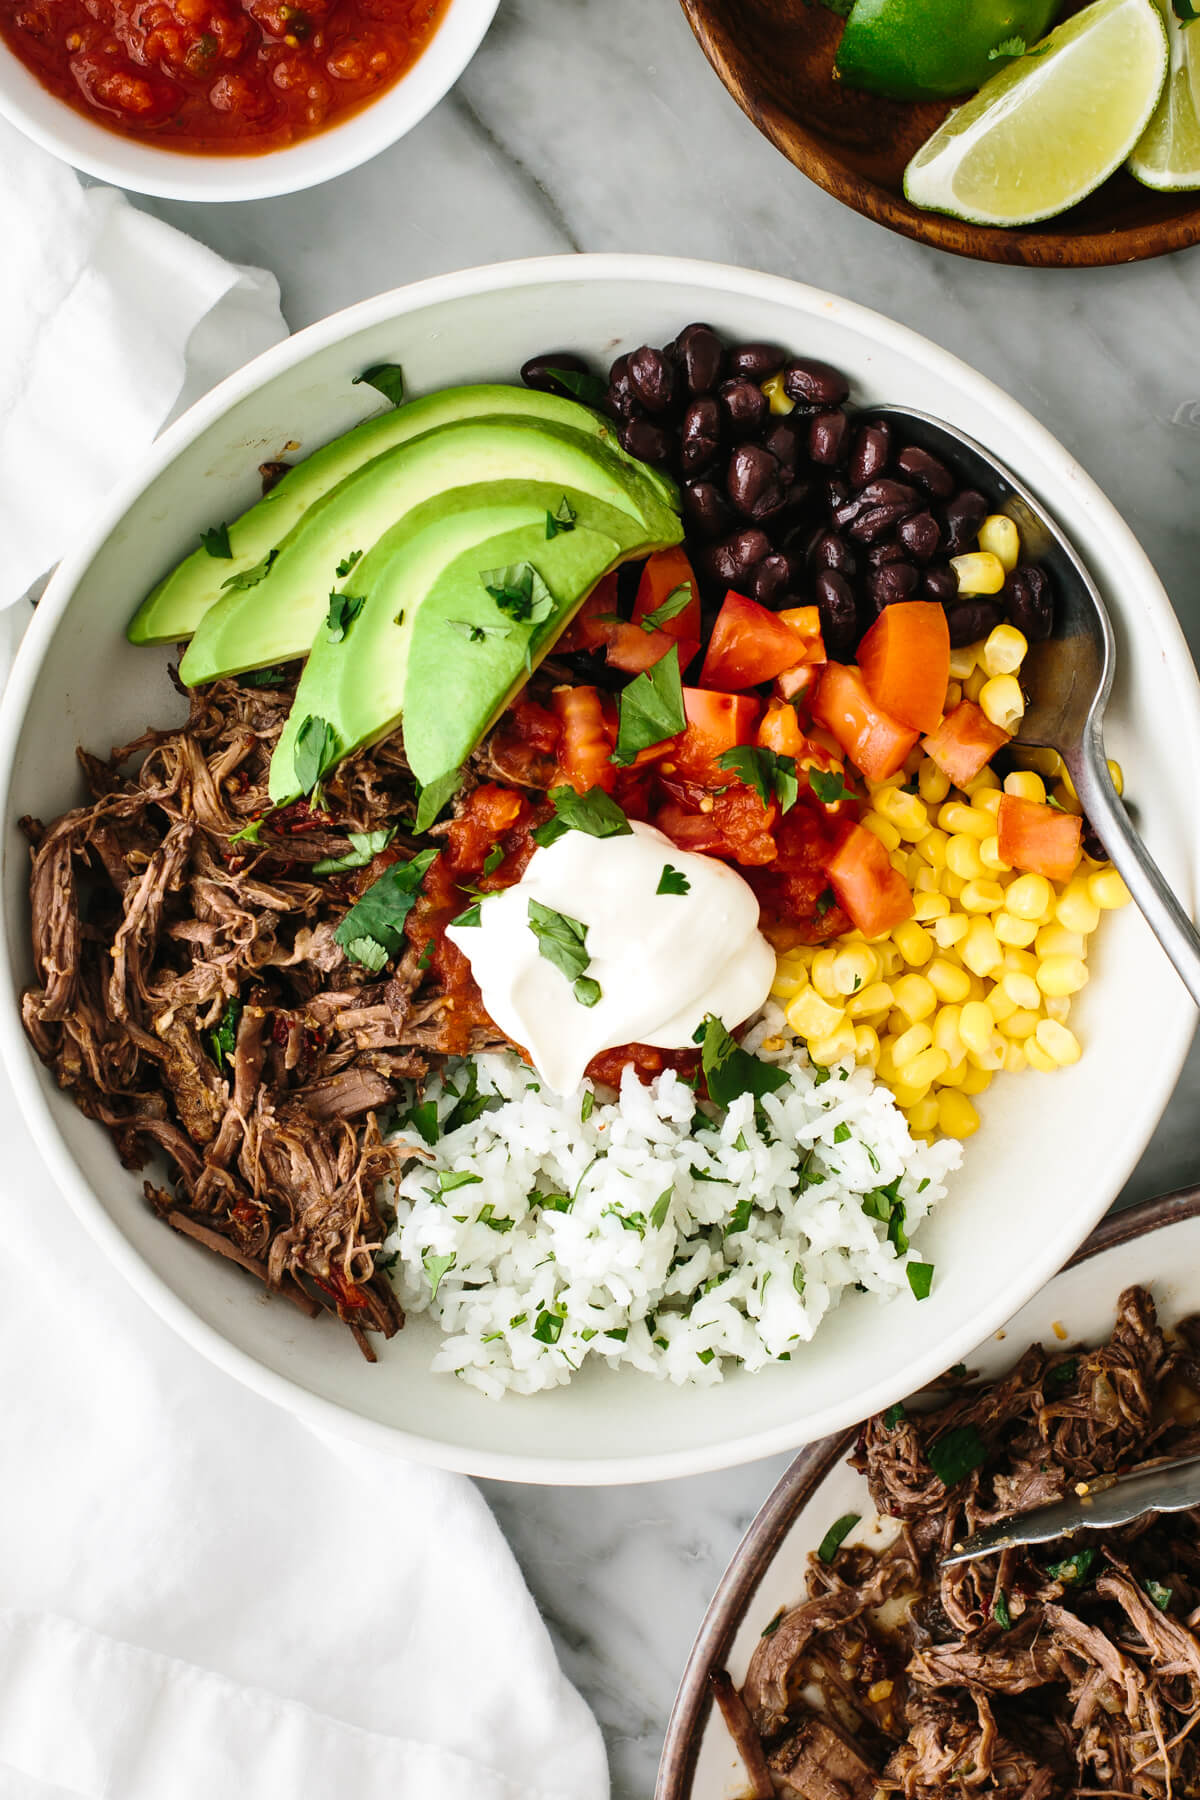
<point x="732" y="560"/>
<point x="647" y="441"/>
<point x="1092" y="844"/>
<point x="783" y="441"/>
<point x="828" y="437"/>
<point x="700" y="438"/>
<point x="961" y="519"/>
<point x="834" y="490"/>
<point x="829" y="551"/>
<point x="919" y="534"/>
<point x="881" y="492"/>
<point x="971" y="620"/>
<point x="754" y="482"/>
<point x="653" y="378"/>
<point x="706" y="509"/>
<point x="932" y="474"/>
<point x="537" y="372"/>
<point x="622" y="400"/>
<point x="756" y="361"/>
<point x="744" y="405"/>
<point x="876" y="521"/>
<point x="1029" y="602"/>
<point x="839" y="613"/>
<point x="700" y="356"/>
<point x="771" y="578"/>
<point x="869" y="456"/>
<point x="797" y="505"/>
<point x="814" y="383"/>
<point x="889" y="550"/>
<point x="895" y="581"/>
<point x="940" y="584"/>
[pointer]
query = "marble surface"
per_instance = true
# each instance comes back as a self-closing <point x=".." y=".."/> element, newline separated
<point x="585" y="125"/>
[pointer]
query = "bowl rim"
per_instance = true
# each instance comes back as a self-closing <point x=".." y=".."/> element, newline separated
<point x="25" y="1072"/>
<point x="796" y="1487"/>
<point x="143" y="167"/>
<point x="1043" y="247"/>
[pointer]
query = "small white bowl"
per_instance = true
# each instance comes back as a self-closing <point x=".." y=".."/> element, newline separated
<point x="1054" y="1150"/>
<point x="143" y="166"/>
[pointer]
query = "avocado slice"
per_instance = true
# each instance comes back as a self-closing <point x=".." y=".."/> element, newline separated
<point x="172" y="611"/>
<point x="361" y="684"/>
<point x="278" y="617"/>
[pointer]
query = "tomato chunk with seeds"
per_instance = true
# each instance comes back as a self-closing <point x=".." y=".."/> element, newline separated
<point x="875" y="896"/>
<point x="1038" y="838"/>
<point x="872" y="740"/>
<point x="749" y="645"/>
<point x="905" y="662"/>
<point x="964" y="742"/>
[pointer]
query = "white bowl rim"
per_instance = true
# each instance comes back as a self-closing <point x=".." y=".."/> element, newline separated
<point x="144" y="168"/>
<point x="20" y="1059"/>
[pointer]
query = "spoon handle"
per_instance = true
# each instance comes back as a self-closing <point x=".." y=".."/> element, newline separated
<point x="1158" y="905"/>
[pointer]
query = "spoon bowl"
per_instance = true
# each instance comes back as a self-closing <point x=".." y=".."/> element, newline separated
<point x="1068" y="679"/>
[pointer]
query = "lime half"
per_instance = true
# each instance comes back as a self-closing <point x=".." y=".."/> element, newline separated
<point x="1168" y="152"/>
<point x="1050" y="127"/>
<point x="932" y="49"/>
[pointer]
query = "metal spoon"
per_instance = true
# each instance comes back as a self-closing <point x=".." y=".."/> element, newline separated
<point x="1171" y="1487"/>
<point x="1068" y="678"/>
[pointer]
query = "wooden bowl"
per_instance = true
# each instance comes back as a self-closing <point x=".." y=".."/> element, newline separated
<point x="776" y="59"/>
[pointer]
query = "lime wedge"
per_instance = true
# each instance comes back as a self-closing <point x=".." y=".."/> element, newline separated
<point x="933" y="49"/>
<point x="1168" y="152"/>
<point x="1050" y="127"/>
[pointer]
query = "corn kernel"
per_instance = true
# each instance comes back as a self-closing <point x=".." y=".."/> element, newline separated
<point x="978" y="572"/>
<point x="876" y="997"/>
<point x="990" y="857"/>
<point x="973" y="685"/>
<point x="1014" y="1057"/>
<point x="924" y="1069"/>
<point x="986" y="800"/>
<point x="1056" y="940"/>
<point x="913" y="942"/>
<point x="812" y="1017"/>
<point x="905" y="811"/>
<point x="982" y="897"/>
<point x="1021" y="989"/>
<point x="910" y="1043"/>
<point x="1021" y="1022"/>
<point x="1018" y="932"/>
<point x="948" y="980"/>
<point x="779" y="400"/>
<point x="963" y="659"/>
<point x="1002" y="701"/>
<point x="976" y="1081"/>
<point x="822" y="973"/>
<point x="1058" y="1042"/>
<point x="1025" y="784"/>
<point x="965" y="820"/>
<point x="883" y="829"/>
<point x="1038" y="1058"/>
<point x="954" y="696"/>
<point x="786" y="987"/>
<point x="1004" y="650"/>
<point x="837" y="1047"/>
<point x="1057" y="1006"/>
<point x="866" y="1045"/>
<point x="956" y="1074"/>
<point x="956" y="1116"/>
<point x="1062" y="975"/>
<point x="933" y="784"/>
<point x="921" y="1118"/>
<point x="915" y="996"/>
<point x="1065" y="798"/>
<point x="987" y="778"/>
<point x="932" y="849"/>
<point x="906" y="1096"/>
<point x="952" y="884"/>
<point x="999" y="1004"/>
<point x="976" y="1027"/>
<point x="951" y="931"/>
<point x="981" y="952"/>
<point x="928" y="881"/>
<point x="899" y="862"/>
<point x="854" y="965"/>
<point x="1107" y="889"/>
<point x="999" y="534"/>
<point x="889" y="959"/>
<point x="1117" y="776"/>
<point x="1029" y="897"/>
<point x="1076" y="909"/>
<point x="1023" y="962"/>
<point x="930" y="906"/>
<point x="963" y="858"/>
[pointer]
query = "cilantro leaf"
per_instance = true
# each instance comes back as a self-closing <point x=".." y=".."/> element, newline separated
<point x="662" y="1206"/>
<point x="249" y="834"/>
<point x="386" y="378"/>
<point x="561" y="519"/>
<point x="677" y="601"/>
<point x="343" y="610"/>
<point x="920" y="1279"/>
<point x="1160" y="1595"/>
<point x="248" y="578"/>
<point x="435" y="1267"/>
<point x="1074" y="1570"/>
<point x="729" y="1070"/>
<point x="548" y="1328"/>
<point x="739" y="1218"/>
<point x="673" y="881"/>
<point x="582" y="384"/>
<point x="347" y="563"/>
<point x="1185" y="12"/>
<point x="1062" y="1376"/>
<point x="449" y="1179"/>
<point x="585" y="1110"/>
<point x="831" y="1543"/>
<point x="316" y="751"/>
<point x="593" y="812"/>
<point x="1009" y="46"/>
<point x="586" y="991"/>
<point x="224" y="1037"/>
<point x="893" y="1415"/>
<point x="263" y="678"/>
<point x="771" y="776"/>
<point x="561" y="940"/>
<point x="363" y="846"/>
<point x="378" y="917"/>
<point x="828" y="785"/>
<point x="953" y="1455"/>
<point x="216" y="541"/>
<point x="519" y="591"/>
<point x="477" y="634"/>
<point x="469" y="917"/>
<point x="1000" y="1612"/>
<point x="651" y="709"/>
<point x="434" y="795"/>
<point x="424" y="1117"/>
<point x="824" y="901"/>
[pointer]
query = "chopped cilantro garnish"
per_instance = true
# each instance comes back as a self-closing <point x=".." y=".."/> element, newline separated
<point x="739" y="1218"/>
<point x="582" y="384"/>
<point x="729" y="1070"/>
<point x="493" y="859"/>
<point x="593" y="812"/>
<point x="248" y="578"/>
<point x="477" y="634"/>
<point x="435" y="1267"/>
<point x="1062" y="1376"/>
<point x="548" y="1328"/>
<point x="433" y="796"/>
<point x="378" y="917"/>
<point x="561" y="519"/>
<point x="347" y="563"/>
<point x="449" y="1179"/>
<point x="673" y="881"/>
<point x="828" y="785"/>
<point x="586" y="1105"/>
<point x="1160" y="1595"/>
<point x="953" y="1455"/>
<point x="424" y="1117"/>
<point x="1073" y="1570"/>
<point x="920" y="1279"/>
<point x="561" y="939"/>
<point x="824" y="901"/>
<point x="831" y="1543"/>
<point x="216" y="541"/>
<point x="343" y="610"/>
<point x="662" y="1206"/>
<point x="841" y="1134"/>
<point x="705" y="1356"/>
<point x="1000" y="1610"/>
<point x="586" y="991"/>
<point x="386" y="378"/>
<point x="249" y="834"/>
<point x="470" y="916"/>
<point x="224" y="1037"/>
<point x="677" y="601"/>
<point x="771" y="776"/>
<point x="363" y="846"/>
<point x="315" y="752"/>
<point x="519" y="592"/>
<point x="893" y="1415"/>
<point x="651" y="709"/>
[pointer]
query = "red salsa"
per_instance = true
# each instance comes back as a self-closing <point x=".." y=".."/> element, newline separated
<point x="216" y="76"/>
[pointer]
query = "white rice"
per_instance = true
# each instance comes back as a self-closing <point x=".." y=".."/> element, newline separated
<point x="636" y="1262"/>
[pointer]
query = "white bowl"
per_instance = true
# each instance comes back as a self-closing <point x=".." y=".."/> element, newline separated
<point x="146" y="168"/>
<point x="1054" y="1150"/>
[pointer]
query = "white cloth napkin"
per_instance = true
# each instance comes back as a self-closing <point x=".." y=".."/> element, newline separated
<point x="108" y="319"/>
<point x="200" y="1599"/>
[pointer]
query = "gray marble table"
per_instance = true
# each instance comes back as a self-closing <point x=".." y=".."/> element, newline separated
<point x="597" y="125"/>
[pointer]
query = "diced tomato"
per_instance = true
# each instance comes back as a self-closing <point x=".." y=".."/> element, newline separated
<point x="874" y="742"/>
<point x="586" y="744"/>
<point x="489" y="812"/>
<point x="874" y="895"/>
<point x="665" y="571"/>
<point x="798" y="683"/>
<point x="964" y="742"/>
<point x="749" y="644"/>
<point x="1038" y="838"/>
<point x="632" y="649"/>
<point x="905" y="662"/>
<point x="715" y="723"/>
<point x="691" y="830"/>
<point x="779" y="730"/>
<point x="593" y="624"/>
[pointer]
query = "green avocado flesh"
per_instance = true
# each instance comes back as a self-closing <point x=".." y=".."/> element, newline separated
<point x="278" y="618"/>
<point x="175" y="607"/>
<point x="410" y="652"/>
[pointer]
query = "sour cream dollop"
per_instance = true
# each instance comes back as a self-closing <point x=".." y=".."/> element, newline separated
<point x="662" y="960"/>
